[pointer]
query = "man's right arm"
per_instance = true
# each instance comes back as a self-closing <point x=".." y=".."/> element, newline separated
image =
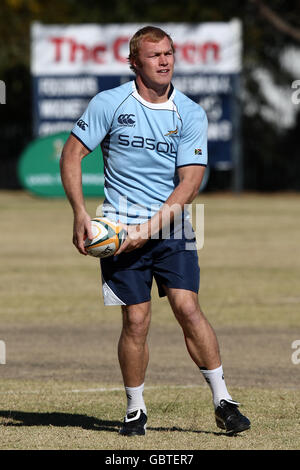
<point x="71" y="176"/>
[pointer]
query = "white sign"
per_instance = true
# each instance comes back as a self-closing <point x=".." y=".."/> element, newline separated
<point x="2" y="92"/>
<point x="2" y="352"/>
<point x="103" y="50"/>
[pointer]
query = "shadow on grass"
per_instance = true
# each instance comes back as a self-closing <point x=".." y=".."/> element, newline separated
<point x="196" y="431"/>
<point x="23" y="418"/>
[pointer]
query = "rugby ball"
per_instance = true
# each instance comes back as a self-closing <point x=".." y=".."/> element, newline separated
<point x="107" y="238"/>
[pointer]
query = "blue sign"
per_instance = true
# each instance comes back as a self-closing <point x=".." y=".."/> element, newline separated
<point x="72" y="63"/>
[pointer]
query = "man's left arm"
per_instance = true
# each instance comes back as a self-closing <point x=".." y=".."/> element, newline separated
<point x="190" y="178"/>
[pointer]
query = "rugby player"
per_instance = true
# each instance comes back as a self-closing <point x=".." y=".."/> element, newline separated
<point x="154" y="144"/>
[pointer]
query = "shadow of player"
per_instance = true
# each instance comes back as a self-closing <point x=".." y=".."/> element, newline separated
<point x="13" y="418"/>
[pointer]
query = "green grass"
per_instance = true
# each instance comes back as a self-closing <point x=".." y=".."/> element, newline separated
<point x="50" y="295"/>
<point x="58" y="419"/>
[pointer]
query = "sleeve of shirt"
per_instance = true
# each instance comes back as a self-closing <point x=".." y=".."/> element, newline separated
<point x="94" y="124"/>
<point x="192" y="149"/>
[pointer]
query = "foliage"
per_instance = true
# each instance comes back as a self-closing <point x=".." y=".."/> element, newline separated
<point x="263" y="44"/>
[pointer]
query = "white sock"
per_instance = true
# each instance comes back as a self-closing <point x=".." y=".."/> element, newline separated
<point x="135" y="399"/>
<point x="216" y="381"/>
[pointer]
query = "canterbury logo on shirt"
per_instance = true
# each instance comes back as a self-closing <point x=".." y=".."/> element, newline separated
<point x="82" y="124"/>
<point x="126" y="119"/>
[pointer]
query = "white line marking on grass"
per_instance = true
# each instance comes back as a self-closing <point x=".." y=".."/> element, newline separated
<point x="120" y="389"/>
<point x="93" y="390"/>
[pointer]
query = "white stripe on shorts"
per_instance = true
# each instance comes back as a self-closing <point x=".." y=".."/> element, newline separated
<point x="109" y="297"/>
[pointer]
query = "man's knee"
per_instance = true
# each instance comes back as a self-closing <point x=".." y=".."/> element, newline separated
<point x="188" y="312"/>
<point x="186" y="307"/>
<point x="136" y="321"/>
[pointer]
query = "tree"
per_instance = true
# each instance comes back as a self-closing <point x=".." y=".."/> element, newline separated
<point x="267" y="31"/>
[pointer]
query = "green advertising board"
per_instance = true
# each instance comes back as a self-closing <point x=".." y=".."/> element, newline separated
<point x="39" y="172"/>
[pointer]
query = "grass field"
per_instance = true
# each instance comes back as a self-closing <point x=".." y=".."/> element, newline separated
<point x="61" y="387"/>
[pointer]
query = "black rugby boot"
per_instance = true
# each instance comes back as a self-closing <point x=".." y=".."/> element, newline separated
<point x="228" y="417"/>
<point x="134" y="424"/>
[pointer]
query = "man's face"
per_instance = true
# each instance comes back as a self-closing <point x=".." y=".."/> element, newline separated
<point x="156" y="62"/>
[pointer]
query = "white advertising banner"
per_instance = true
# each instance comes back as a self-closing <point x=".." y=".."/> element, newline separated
<point x="72" y="63"/>
<point x="103" y="49"/>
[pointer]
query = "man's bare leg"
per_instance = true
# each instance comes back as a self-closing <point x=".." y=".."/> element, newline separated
<point x="133" y="358"/>
<point x="201" y="340"/>
<point x="133" y="350"/>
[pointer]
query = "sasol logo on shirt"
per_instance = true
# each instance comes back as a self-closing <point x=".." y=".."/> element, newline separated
<point x="126" y="120"/>
<point x="147" y="143"/>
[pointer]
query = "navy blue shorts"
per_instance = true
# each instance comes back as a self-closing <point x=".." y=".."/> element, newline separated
<point x="172" y="262"/>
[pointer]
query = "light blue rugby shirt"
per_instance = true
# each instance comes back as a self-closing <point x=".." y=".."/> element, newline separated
<point x="143" y="144"/>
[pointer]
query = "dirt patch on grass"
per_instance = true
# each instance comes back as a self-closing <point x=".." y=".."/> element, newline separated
<point x="252" y="357"/>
